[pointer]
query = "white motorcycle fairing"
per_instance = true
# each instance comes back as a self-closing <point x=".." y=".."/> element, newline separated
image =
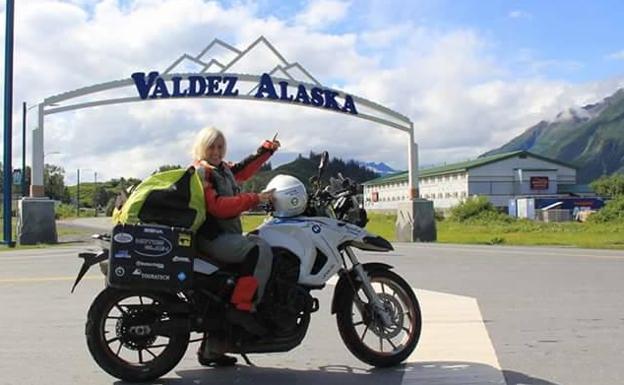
<point x="317" y="242"/>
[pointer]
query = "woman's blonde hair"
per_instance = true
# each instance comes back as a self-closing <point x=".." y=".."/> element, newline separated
<point x="206" y="137"/>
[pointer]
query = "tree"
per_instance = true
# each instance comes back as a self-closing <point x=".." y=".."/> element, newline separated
<point x="102" y="196"/>
<point x="123" y="183"/>
<point x="609" y="186"/>
<point x="27" y="177"/>
<point x="54" y="183"/>
<point x="167" y="167"/>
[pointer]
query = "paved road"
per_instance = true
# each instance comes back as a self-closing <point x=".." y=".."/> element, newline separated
<point x="42" y="337"/>
<point x="553" y="316"/>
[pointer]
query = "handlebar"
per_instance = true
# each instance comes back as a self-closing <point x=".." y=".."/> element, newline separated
<point x="337" y="188"/>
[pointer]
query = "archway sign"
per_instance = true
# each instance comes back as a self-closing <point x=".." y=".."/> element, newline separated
<point x="287" y="82"/>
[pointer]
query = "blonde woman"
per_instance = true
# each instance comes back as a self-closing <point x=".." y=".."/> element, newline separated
<point x="221" y="234"/>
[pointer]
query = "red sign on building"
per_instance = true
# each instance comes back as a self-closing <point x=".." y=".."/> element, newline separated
<point x="539" y="183"/>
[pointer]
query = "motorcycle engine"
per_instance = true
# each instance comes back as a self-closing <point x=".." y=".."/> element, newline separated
<point x="284" y="300"/>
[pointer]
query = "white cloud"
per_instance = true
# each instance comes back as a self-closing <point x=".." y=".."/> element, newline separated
<point x="385" y="37"/>
<point x="616" y="55"/>
<point x="530" y="64"/>
<point x="462" y="100"/>
<point x="519" y="14"/>
<point x="321" y="13"/>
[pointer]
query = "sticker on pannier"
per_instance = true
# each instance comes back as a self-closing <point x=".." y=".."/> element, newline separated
<point x="151" y="257"/>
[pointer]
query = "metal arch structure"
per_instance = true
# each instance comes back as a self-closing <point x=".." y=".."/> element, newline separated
<point x="291" y="79"/>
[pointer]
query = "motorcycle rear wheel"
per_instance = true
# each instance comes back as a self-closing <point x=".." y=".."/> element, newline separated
<point x="357" y="321"/>
<point x="111" y="319"/>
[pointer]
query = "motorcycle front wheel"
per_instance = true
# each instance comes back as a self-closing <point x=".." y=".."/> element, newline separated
<point x="362" y="330"/>
<point x="122" y="337"/>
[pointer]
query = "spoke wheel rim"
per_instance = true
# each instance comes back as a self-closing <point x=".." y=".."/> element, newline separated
<point x="372" y="333"/>
<point x="126" y="331"/>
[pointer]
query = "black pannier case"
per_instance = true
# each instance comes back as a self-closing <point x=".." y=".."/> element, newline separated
<point x="151" y="257"/>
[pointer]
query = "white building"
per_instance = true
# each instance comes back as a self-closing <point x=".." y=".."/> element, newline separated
<point x="498" y="177"/>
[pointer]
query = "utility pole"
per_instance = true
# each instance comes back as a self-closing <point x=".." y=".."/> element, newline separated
<point x="95" y="204"/>
<point x="78" y="194"/>
<point x="24" y="149"/>
<point x="8" y="122"/>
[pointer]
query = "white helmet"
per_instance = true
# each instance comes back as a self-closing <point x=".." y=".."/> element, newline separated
<point x="289" y="198"/>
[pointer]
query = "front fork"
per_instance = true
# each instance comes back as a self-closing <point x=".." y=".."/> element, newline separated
<point x="371" y="295"/>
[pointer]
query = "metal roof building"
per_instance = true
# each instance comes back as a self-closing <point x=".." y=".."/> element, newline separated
<point x="498" y="177"/>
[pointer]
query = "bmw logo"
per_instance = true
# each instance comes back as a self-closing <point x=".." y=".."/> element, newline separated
<point x="316" y="229"/>
<point x="294" y="201"/>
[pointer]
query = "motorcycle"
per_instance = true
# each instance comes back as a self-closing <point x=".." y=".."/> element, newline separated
<point x="139" y="331"/>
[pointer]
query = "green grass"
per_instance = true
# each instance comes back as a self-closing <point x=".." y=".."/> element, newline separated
<point x="65" y="211"/>
<point x="63" y="232"/>
<point x="515" y="232"/>
<point x="527" y="233"/>
<point x="251" y="222"/>
<point x="13" y="226"/>
<point x="381" y="224"/>
<point x="71" y="231"/>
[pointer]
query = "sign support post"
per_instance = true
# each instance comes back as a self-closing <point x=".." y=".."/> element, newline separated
<point x="37" y="220"/>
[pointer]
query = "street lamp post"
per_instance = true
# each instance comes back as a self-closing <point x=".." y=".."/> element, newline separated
<point x="24" y="149"/>
<point x="95" y="186"/>
<point x="78" y="188"/>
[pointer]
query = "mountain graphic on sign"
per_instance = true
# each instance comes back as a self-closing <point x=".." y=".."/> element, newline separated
<point x="217" y="54"/>
<point x="258" y="58"/>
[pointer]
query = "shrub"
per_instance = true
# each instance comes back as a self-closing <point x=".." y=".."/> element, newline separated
<point x="488" y="216"/>
<point x="478" y="207"/>
<point x="613" y="211"/>
<point x="64" y="210"/>
<point x="610" y="186"/>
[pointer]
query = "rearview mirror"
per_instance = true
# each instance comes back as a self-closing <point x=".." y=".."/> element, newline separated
<point x="323" y="163"/>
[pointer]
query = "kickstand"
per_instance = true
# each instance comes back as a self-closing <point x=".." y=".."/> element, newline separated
<point x="247" y="359"/>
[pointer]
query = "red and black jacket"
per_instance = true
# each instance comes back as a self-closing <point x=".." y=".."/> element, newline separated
<point x="224" y="202"/>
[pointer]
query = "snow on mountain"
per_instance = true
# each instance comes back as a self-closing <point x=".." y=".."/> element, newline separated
<point x="380" y="168"/>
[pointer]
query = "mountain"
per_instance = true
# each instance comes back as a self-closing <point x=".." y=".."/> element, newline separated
<point x="590" y="137"/>
<point x="380" y="168"/>
<point x="304" y="168"/>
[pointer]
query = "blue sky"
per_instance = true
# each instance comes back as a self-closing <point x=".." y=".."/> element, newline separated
<point x="556" y="39"/>
<point x="470" y="74"/>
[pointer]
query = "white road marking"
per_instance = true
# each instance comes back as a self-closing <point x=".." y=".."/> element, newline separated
<point x="454" y="343"/>
<point x="455" y="347"/>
